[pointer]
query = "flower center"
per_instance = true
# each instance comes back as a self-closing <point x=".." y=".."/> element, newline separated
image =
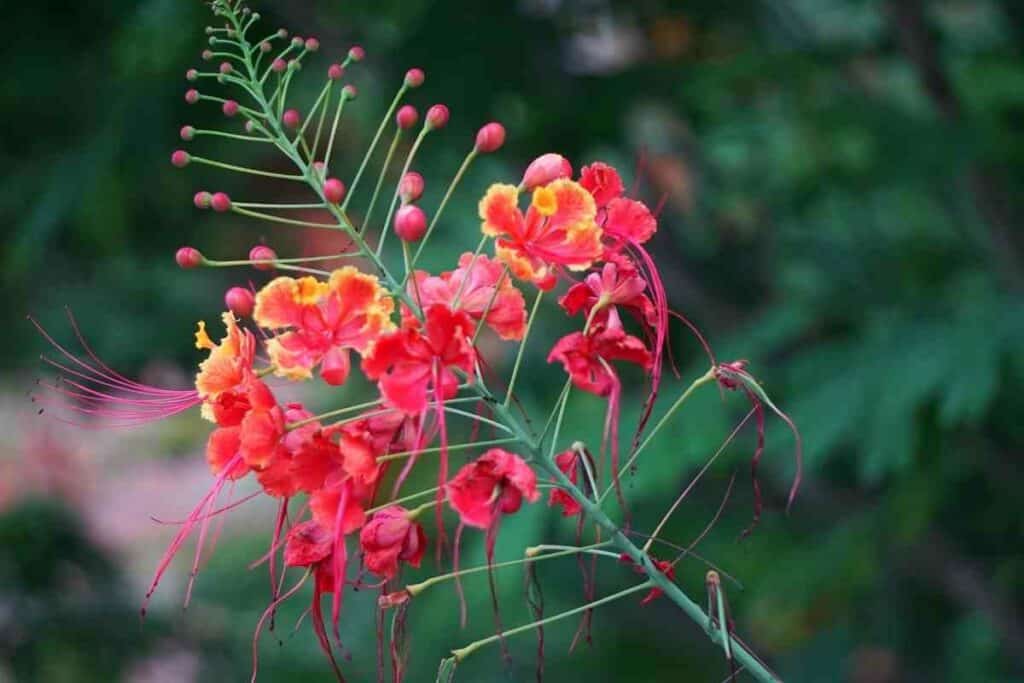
<point x="545" y="201"/>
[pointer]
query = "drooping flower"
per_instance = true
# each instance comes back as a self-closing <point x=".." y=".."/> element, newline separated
<point x="587" y="357"/>
<point x="557" y="230"/>
<point x="664" y="566"/>
<point x="389" y="537"/>
<point x="471" y="288"/>
<point x="568" y="463"/>
<point x="413" y="361"/>
<point x="492" y="485"/>
<point x="325" y="320"/>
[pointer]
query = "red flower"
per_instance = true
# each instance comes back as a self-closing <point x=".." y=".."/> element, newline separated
<point x="602" y="181"/>
<point x="473" y="284"/>
<point x="567" y="461"/>
<point x="337" y="506"/>
<point x="558" y="229"/>
<point x="391" y="536"/>
<point x="494" y="484"/>
<point x="617" y="284"/>
<point x="325" y="320"/>
<point x="262" y="427"/>
<point x="410" y="363"/>
<point x="307" y="544"/>
<point x="587" y="357"/>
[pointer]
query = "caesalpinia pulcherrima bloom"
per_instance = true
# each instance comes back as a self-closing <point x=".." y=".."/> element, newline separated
<point x="345" y="518"/>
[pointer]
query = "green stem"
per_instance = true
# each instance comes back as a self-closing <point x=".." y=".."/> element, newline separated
<point x="522" y="347"/>
<point x="463" y="652"/>
<point x="243" y="169"/>
<point x="450" y="449"/>
<point x="373" y="144"/>
<point x="380" y="179"/>
<point x="444" y="202"/>
<point x="394" y="199"/>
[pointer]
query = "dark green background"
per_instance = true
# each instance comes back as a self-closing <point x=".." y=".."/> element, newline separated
<point x="845" y="182"/>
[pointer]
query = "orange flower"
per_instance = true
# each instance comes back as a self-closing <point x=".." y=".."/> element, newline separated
<point x="324" y="321"/>
<point x="558" y="229"/>
<point x="229" y="365"/>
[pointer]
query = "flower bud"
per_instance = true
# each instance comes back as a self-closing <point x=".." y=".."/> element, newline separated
<point x="262" y="252"/>
<point x="180" y="158"/>
<point x="202" y="199"/>
<point x="278" y="65"/>
<point x="191" y="75"/>
<point x="437" y="116"/>
<point x="318" y="169"/>
<point x="266" y="47"/>
<point x="297" y="41"/>
<point x="282" y="33"/>
<point x="545" y="169"/>
<point x="349" y="92"/>
<point x="230" y="108"/>
<point x="490" y="138"/>
<point x="239" y="301"/>
<point x="291" y="118"/>
<point x="411" y="187"/>
<point x="220" y="202"/>
<point x="225" y="68"/>
<point x="410" y="223"/>
<point x="294" y="65"/>
<point x="250" y="126"/>
<point x="207" y="55"/>
<point x="187" y="133"/>
<point x="414" y="78"/>
<point x="188" y="257"/>
<point x="356" y="53"/>
<point x="192" y="96"/>
<point x="407" y="117"/>
<point x="334" y="190"/>
<point x="335" y="72"/>
<point x="312" y="44"/>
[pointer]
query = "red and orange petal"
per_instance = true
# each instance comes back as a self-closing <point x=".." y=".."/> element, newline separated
<point x="229" y="364"/>
<point x="496" y="482"/>
<point x="630" y="221"/>
<point x="499" y="211"/>
<point x="602" y="182"/>
<point x="282" y="301"/>
<point x="566" y="461"/>
<point x="388" y="537"/>
<point x="222" y="446"/>
<point x="276" y="476"/>
<point x="261" y="433"/>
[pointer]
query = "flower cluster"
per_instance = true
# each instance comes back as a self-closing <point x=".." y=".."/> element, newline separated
<point x="414" y="337"/>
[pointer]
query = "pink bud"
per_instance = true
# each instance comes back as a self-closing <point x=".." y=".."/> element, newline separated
<point x="335" y="72"/>
<point x="297" y="41"/>
<point x="414" y="78"/>
<point x="490" y="138"/>
<point x="239" y="301"/>
<point x="407" y="117"/>
<point x="334" y="190"/>
<point x="546" y="168"/>
<point x="202" y="199"/>
<point x="410" y="223"/>
<point x="278" y="65"/>
<point x="220" y="202"/>
<point x="312" y="44"/>
<point x="250" y="126"/>
<point x="192" y="96"/>
<point x="191" y="75"/>
<point x="207" y="55"/>
<point x="437" y="116"/>
<point x="291" y="118"/>
<point x="188" y="257"/>
<point x="225" y="68"/>
<point x="262" y="252"/>
<point x="349" y="92"/>
<point x="187" y="133"/>
<point x="230" y="108"/>
<point x="282" y="33"/>
<point x="180" y="158"/>
<point x="356" y="53"/>
<point x="319" y="167"/>
<point x="265" y="47"/>
<point x="294" y="64"/>
<point x="411" y="187"/>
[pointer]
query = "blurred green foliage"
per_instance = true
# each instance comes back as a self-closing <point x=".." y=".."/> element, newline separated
<point x="844" y="181"/>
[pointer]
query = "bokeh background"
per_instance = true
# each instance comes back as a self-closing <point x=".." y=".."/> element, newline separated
<point x="843" y="183"/>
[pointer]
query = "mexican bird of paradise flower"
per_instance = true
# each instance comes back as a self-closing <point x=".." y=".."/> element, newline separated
<point x="557" y="230"/>
<point x="325" y="320"/>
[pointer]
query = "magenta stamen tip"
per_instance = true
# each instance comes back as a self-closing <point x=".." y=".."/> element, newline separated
<point x="239" y="301"/>
<point x="407" y="117"/>
<point x="334" y="190"/>
<point x="410" y="223"/>
<point x="262" y="252"/>
<point x="180" y="158"/>
<point x="414" y="78"/>
<point x="437" y="117"/>
<point x="490" y="138"/>
<point x="220" y="202"/>
<point x="188" y="257"/>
